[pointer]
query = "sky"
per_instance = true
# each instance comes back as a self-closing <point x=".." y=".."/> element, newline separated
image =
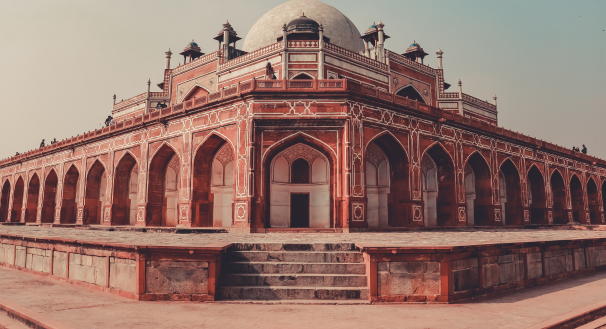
<point x="61" y="61"/>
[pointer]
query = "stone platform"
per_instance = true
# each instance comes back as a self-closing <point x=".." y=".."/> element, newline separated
<point x="428" y="267"/>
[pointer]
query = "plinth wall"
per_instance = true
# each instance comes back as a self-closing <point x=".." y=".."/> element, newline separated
<point x="137" y="272"/>
<point x="450" y="274"/>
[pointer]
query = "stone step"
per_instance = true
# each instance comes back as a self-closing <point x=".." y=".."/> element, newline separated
<point x="293" y="247"/>
<point x="285" y="293"/>
<point x="308" y="280"/>
<point x="296" y="256"/>
<point x="294" y="267"/>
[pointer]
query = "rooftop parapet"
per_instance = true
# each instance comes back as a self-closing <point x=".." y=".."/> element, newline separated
<point x="307" y="87"/>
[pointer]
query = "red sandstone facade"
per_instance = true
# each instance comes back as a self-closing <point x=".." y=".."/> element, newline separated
<point x="339" y="140"/>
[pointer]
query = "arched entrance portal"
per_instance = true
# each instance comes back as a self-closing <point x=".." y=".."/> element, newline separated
<point x="70" y="190"/>
<point x="439" y="199"/>
<point x="126" y="184"/>
<point x="18" y="201"/>
<point x="558" y="191"/>
<point x="50" y="194"/>
<point x="478" y="190"/>
<point x="213" y="174"/>
<point x="96" y="186"/>
<point x="594" y="203"/>
<point x="299" y="192"/>
<point x="163" y="189"/>
<point x="387" y="184"/>
<point x="511" y="194"/>
<point x="578" y="202"/>
<point x="412" y="93"/>
<point x="6" y="193"/>
<point x="33" y="193"/>
<point x="536" y="196"/>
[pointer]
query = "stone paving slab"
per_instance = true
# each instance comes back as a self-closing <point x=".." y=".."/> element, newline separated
<point x="423" y="238"/>
<point x="78" y="307"/>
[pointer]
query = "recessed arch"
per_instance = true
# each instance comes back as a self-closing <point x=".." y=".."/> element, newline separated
<point x="445" y="201"/>
<point x="49" y="197"/>
<point x="124" y="200"/>
<point x="4" y="199"/>
<point x="411" y="92"/>
<point x="303" y="76"/>
<point x="395" y="139"/>
<point x="212" y="205"/>
<point x="196" y="91"/>
<point x="537" y="199"/>
<point x="442" y="147"/>
<point x="558" y="192"/>
<point x="510" y="194"/>
<point x="577" y="199"/>
<point x="478" y="186"/>
<point x="288" y="141"/>
<point x="33" y="194"/>
<point x="593" y="202"/>
<point x="163" y="187"/>
<point x="94" y="197"/>
<point x="70" y="192"/>
<point x="18" y="200"/>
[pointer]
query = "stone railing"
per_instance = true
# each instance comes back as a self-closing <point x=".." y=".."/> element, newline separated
<point x="410" y="64"/>
<point x="306" y="86"/>
<point x="130" y="102"/>
<point x="479" y="103"/>
<point x="276" y="47"/>
<point x="196" y="63"/>
<point x="355" y="56"/>
<point x="303" y="44"/>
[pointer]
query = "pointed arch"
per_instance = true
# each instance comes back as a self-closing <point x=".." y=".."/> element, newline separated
<point x="161" y="197"/>
<point x="383" y="133"/>
<point x="303" y="76"/>
<point x="211" y="207"/>
<point x="537" y="198"/>
<point x="511" y="194"/>
<point x="268" y="158"/>
<point x="446" y="201"/>
<point x="479" y="189"/>
<point x="33" y="194"/>
<point x="94" y="196"/>
<point x="18" y="192"/>
<point x="124" y="198"/>
<point x="442" y="147"/>
<point x="411" y="92"/>
<point x="49" y="196"/>
<point x="577" y="199"/>
<point x="399" y="208"/>
<point x="4" y="200"/>
<point x="558" y="192"/>
<point x="593" y="202"/>
<point x="70" y="192"/>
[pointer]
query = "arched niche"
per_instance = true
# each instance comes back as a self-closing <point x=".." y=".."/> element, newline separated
<point x="412" y="93"/>
<point x="213" y="179"/>
<point x="94" y="198"/>
<point x="33" y="194"/>
<point x="429" y="181"/>
<point x="49" y="197"/>
<point x="196" y="92"/>
<point x="558" y="192"/>
<point x="577" y="200"/>
<point x="70" y="191"/>
<point x="124" y="201"/>
<point x="478" y="190"/>
<point x="537" y="201"/>
<point x="299" y="191"/>
<point x="445" y="202"/>
<point x="6" y="192"/>
<point x="163" y="188"/>
<point x="510" y="193"/>
<point x="593" y="202"/>
<point x="18" y="200"/>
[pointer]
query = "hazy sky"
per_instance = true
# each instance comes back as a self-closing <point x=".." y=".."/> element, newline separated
<point x="61" y="61"/>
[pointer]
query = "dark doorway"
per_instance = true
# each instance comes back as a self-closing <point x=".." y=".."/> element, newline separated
<point x="299" y="210"/>
<point x="411" y="93"/>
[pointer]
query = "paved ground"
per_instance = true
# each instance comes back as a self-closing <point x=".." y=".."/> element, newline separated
<point x="79" y="307"/>
<point x="423" y="238"/>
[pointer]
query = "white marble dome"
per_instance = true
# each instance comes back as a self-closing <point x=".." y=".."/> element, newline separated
<point x="340" y="29"/>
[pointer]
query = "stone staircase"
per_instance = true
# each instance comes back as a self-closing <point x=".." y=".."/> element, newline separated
<point x="301" y="272"/>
